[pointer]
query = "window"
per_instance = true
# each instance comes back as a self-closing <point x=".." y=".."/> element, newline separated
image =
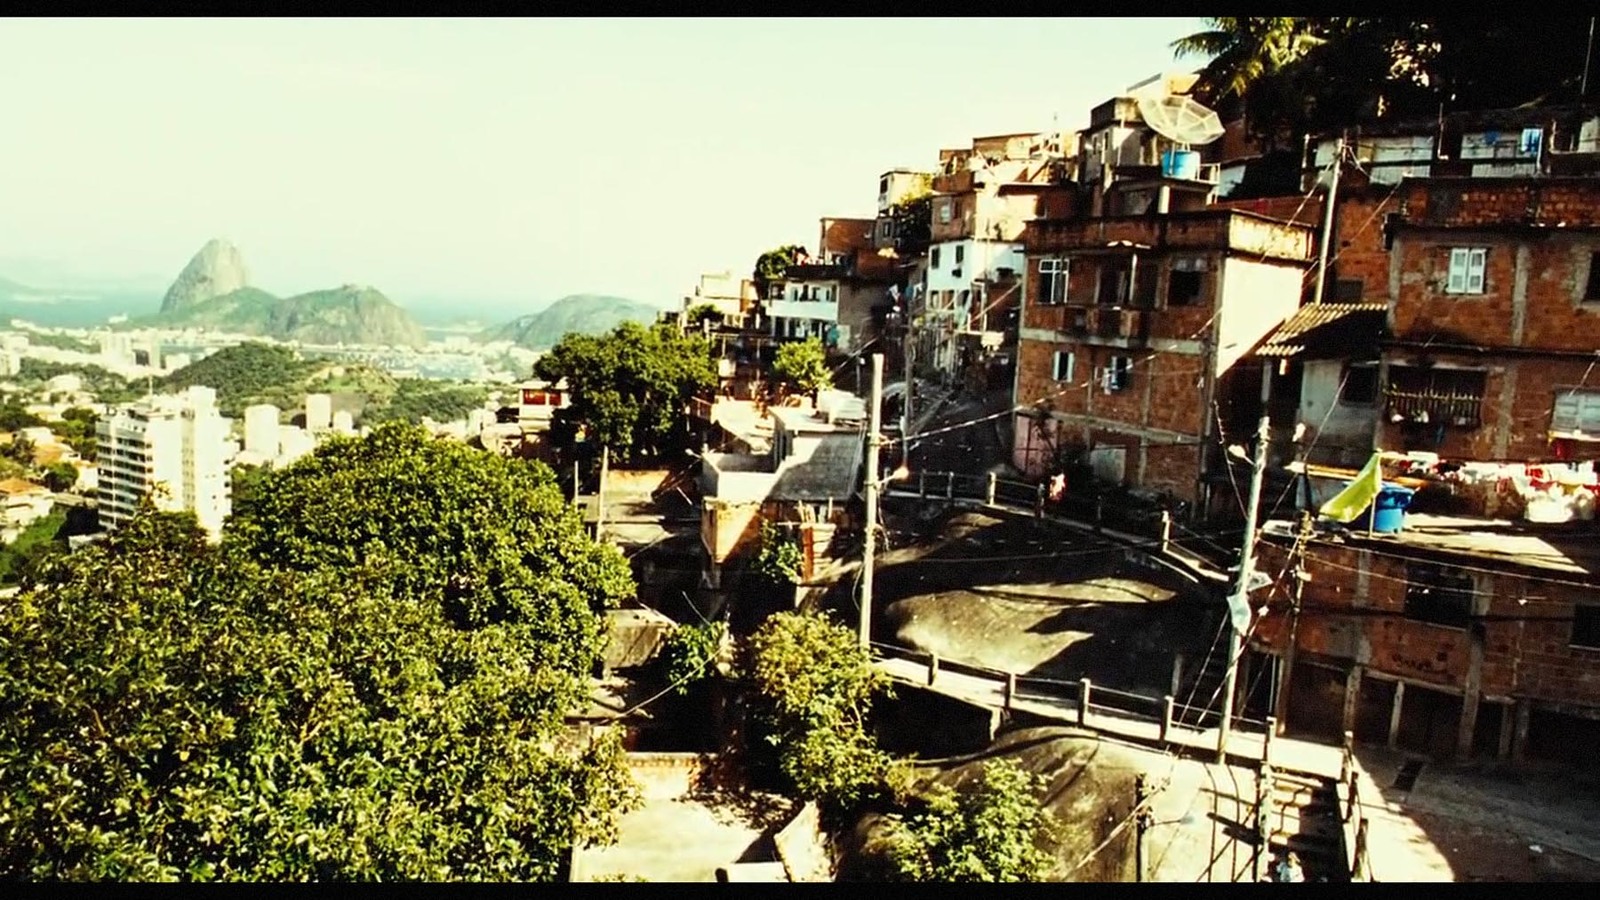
<point x="1063" y="363"/>
<point x="1576" y="413"/>
<point x="885" y="229"/>
<point x="1434" y="395"/>
<point x="944" y="212"/>
<point x="1185" y="281"/>
<point x="1438" y="595"/>
<point x="1052" y="281"/>
<point x="1529" y="143"/>
<point x="1466" y="270"/>
<point x="1118" y="376"/>
<point x="960" y="253"/>
<point x="1360" y="385"/>
<point x="1348" y="290"/>
<point x="883" y="185"/>
<point x="1591" y="291"/>
<point x="1586" y="627"/>
<point x="933" y="258"/>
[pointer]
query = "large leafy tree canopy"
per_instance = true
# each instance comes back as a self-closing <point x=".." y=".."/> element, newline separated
<point x="629" y="388"/>
<point x="991" y="832"/>
<point x="771" y="265"/>
<point x="804" y="365"/>
<point x="1314" y="74"/>
<point x="366" y="679"/>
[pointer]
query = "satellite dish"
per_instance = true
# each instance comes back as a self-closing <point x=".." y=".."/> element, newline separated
<point x="1181" y="120"/>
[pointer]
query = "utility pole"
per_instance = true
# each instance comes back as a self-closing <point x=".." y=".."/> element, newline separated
<point x="874" y="424"/>
<point x="1240" y="599"/>
<point x="1588" y="51"/>
<point x="1327" y="218"/>
<point x="1280" y="710"/>
<point x="908" y="355"/>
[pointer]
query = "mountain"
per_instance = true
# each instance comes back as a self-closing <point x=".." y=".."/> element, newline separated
<point x="212" y="292"/>
<point x="583" y="313"/>
<point x="216" y="271"/>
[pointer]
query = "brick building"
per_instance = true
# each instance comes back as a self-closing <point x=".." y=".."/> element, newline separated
<point x="1475" y="631"/>
<point x="1133" y="331"/>
<point x="839" y="296"/>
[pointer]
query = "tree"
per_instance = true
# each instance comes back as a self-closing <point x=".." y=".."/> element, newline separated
<point x="778" y="561"/>
<point x="690" y="653"/>
<point x="629" y="390"/>
<point x="771" y="265"/>
<point x="812" y="687"/>
<point x="365" y="681"/>
<point x="803" y="364"/>
<point x="14" y="417"/>
<point x="60" y="476"/>
<point x="20" y="450"/>
<point x="1247" y="49"/>
<point x="913" y="222"/>
<point x="702" y="312"/>
<point x="76" y="429"/>
<point x="989" y="833"/>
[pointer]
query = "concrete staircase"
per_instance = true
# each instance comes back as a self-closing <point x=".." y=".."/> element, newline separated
<point x="1202" y="690"/>
<point x="1305" y="820"/>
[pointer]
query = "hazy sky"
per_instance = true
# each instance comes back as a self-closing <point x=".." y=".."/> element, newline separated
<point x="508" y="159"/>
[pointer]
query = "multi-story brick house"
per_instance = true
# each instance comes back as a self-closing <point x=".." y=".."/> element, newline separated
<point x="1133" y="329"/>
<point x="1463" y="635"/>
<point x="839" y="296"/>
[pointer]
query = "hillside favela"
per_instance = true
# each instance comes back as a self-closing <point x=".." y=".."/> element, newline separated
<point x="800" y="450"/>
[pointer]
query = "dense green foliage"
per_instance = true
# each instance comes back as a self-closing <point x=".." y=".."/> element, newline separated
<point x="779" y="558"/>
<point x="365" y="680"/>
<point x="628" y="390"/>
<point x="573" y="314"/>
<point x="803" y="365"/>
<point x="15" y="417"/>
<point x="245" y="374"/>
<point x="771" y="265"/>
<point x="31" y="546"/>
<point x="913" y="222"/>
<point x="76" y="430"/>
<point x="991" y="832"/>
<point x="107" y="386"/>
<point x="345" y="315"/>
<point x="812" y="686"/>
<point x="690" y="651"/>
<point x="1299" y="75"/>
<point x="696" y="315"/>
<point x="416" y="398"/>
<point x="252" y="373"/>
<point x="61" y="342"/>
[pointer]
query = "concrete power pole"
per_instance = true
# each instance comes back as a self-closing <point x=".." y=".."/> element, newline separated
<point x="1241" y="587"/>
<point x="1327" y="219"/>
<point x="874" y="424"/>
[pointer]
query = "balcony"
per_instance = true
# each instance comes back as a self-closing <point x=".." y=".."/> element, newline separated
<point x="1119" y="323"/>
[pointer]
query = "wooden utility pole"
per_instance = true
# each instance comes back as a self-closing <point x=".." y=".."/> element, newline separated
<point x="1327" y="219"/>
<point x="908" y="355"/>
<point x="869" y="546"/>
<point x="1240" y="598"/>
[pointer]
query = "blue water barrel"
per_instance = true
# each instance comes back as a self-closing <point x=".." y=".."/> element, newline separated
<point x="1180" y="164"/>
<point x="1388" y="512"/>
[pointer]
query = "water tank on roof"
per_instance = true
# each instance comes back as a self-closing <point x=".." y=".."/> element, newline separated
<point x="1180" y="164"/>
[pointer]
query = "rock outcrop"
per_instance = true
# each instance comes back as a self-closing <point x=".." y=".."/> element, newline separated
<point x="218" y="269"/>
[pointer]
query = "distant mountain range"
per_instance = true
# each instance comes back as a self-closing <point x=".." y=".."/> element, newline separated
<point x="582" y="313"/>
<point x="215" y="291"/>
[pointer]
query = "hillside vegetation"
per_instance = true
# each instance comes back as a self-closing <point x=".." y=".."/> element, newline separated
<point x="254" y="373"/>
<point x="573" y="314"/>
<point x="348" y="315"/>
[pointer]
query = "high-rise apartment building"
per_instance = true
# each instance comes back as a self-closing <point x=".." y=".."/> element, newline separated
<point x="173" y="448"/>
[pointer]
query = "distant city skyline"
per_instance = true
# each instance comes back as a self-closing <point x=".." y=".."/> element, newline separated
<point x="508" y="161"/>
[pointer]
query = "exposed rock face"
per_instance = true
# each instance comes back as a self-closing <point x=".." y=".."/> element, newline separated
<point x="216" y="270"/>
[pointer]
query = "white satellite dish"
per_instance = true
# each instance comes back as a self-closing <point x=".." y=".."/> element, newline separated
<point x="1181" y="120"/>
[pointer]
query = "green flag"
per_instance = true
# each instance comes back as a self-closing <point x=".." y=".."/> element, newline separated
<point x="1351" y="502"/>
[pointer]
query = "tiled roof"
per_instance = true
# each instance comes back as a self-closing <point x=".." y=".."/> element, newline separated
<point x="1328" y="329"/>
<point x="20" y="486"/>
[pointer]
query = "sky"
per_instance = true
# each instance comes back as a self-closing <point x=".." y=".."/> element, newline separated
<point x="508" y="161"/>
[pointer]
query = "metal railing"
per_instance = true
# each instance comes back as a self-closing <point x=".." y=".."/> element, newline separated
<point x="1353" y="815"/>
<point x="1154" y="530"/>
<point x="1077" y="699"/>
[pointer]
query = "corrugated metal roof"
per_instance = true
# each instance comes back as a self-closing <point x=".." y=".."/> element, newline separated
<point x="1340" y="329"/>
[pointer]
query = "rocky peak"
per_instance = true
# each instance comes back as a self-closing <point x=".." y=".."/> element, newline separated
<point x="216" y="270"/>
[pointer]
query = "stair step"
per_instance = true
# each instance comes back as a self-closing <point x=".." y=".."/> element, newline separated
<point x="1317" y="828"/>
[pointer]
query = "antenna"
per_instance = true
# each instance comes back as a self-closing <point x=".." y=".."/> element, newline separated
<point x="1181" y="120"/>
